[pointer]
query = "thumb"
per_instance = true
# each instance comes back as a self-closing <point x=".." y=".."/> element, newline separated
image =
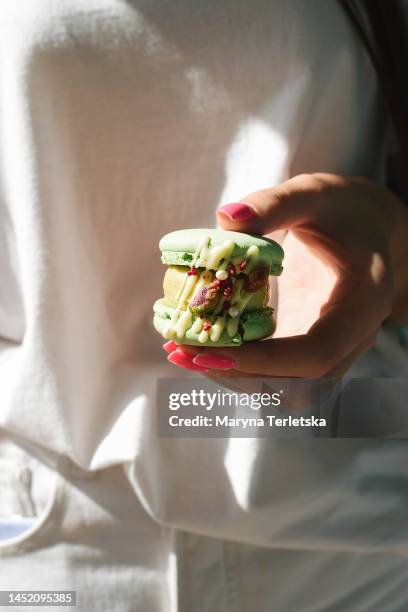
<point x="282" y="207"/>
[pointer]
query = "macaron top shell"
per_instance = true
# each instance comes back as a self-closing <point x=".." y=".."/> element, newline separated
<point x="178" y="247"/>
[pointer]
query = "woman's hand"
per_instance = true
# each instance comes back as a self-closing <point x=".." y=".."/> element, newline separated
<point x="344" y="267"/>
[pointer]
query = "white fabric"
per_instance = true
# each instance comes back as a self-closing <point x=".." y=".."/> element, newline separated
<point x="120" y="121"/>
<point x="94" y="536"/>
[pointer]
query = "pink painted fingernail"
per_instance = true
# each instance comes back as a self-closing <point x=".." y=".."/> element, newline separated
<point x="170" y="346"/>
<point x="216" y="362"/>
<point x="183" y="360"/>
<point x="238" y="211"/>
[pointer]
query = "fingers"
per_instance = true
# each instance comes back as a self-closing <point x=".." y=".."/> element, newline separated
<point x="334" y="338"/>
<point x="327" y="350"/>
<point x="230" y="375"/>
<point x="293" y="356"/>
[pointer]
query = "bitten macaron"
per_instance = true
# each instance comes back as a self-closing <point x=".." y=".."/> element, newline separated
<point x="216" y="287"/>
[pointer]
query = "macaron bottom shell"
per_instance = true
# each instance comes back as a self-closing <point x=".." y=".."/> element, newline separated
<point x="255" y="326"/>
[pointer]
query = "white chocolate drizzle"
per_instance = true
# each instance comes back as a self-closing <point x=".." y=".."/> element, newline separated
<point x="183" y="324"/>
<point x="221" y="274"/>
<point x="203" y="337"/>
<point x="216" y="258"/>
<point x="197" y="325"/>
<point x="232" y="326"/>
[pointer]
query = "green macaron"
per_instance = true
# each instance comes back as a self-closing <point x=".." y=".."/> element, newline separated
<point x="216" y="288"/>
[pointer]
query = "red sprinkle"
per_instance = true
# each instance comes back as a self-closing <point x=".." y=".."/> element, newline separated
<point x="217" y="283"/>
<point x="207" y="326"/>
<point x="228" y="292"/>
<point x="192" y="272"/>
<point x="243" y="264"/>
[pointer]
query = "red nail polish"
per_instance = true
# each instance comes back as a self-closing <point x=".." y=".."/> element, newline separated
<point x="170" y="346"/>
<point x="216" y="362"/>
<point x="183" y="360"/>
<point x="238" y="211"/>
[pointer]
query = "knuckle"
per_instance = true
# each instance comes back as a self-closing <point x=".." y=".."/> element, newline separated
<point x="322" y="180"/>
<point x="322" y="177"/>
<point x="278" y="197"/>
<point x="303" y="176"/>
<point x="311" y="182"/>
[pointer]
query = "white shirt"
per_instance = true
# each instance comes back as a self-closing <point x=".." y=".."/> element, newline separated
<point x="121" y="121"/>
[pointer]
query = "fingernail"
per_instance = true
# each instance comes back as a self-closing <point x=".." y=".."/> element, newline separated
<point x="216" y="362"/>
<point x="170" y="346"/>
<point x="183" y="360"/>
<point x="238" y="211"/>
